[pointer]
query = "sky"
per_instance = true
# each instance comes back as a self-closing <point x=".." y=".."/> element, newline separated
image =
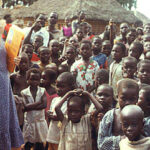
<point x="143" y="6"/>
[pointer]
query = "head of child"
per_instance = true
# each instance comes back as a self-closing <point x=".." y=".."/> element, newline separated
<point x="54" y="47"/>
<point x="118" y="52"/>
<point x="132" y="122"/>
<point x="24" y="62"/>
<point x="53" y="18"/>
<point x="106" y="48"/>
<point x="135" y="50"/>
<point x="42" y="18"/>
<point x="146" y="38"/>
<point x="129" y="67"/>
<point x="128" y="91"/>
<point x="96" y="45"/>
<point x="28" y="49"/>
<point x="144" y="100"/>
<point x="75" y="108"/>
<point x="44" y="54"/>
<point x="73" y="41"/>
<point x="8" y="18"/>
<point x="105" y="95"/>
<point x="67" y="21"/>
<point x="85" y="50"/>
<point x="146" y="47"/>
<point x="65" y="82"/>
<point x="80" y="33"/>
<point x="33" y="77"/>
<point x="139" y="31"/>
<point x="131" y="36"/>
<point x="62" y="68"/>
<point x="48" y="77"/>
<point x="147" y="55"/>
<point x="144" y="71"/>
<point x="37" y="42"/>
<point x="52" y="66"/>
<point x="101" y="77"/>
<point x="70" y="53"/>
<point x="146" y="28"/>
<point x="124" y="29"/>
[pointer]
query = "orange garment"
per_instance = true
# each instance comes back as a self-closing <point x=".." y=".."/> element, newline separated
<point x="6" y="30"/>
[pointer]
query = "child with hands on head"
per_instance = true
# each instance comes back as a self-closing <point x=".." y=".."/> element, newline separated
<point x="132" y="125"/>
<point x="76" y="126"/>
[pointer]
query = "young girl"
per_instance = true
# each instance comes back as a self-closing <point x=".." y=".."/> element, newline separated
<point x="35" y="126"/>
<point x="76" y="126"/>
<point x="115" y="74"/>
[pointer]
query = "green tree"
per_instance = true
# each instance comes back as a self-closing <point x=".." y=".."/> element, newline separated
<point x="128" y="4"/>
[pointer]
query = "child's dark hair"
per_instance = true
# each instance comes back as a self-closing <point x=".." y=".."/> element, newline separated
<point x="146" y="90"/>
<point x="32" y="70"/>
<point x="129" y="58"/>
<point x="145" y="61"/>
<point x="7" y="16"/>
<point x="127" y="83"/>
<point x="69" y="79"/>
<point x="42" y="47"/>
<point x="86" y="42"/>
<point x="29" y="45"/>
<point x="139" y="46"/>
<point x="104" y="73"/>
<point x="71" y="46"/>
<point x="51" y="74"/>
<point x="23" y="54"/>
<point x="39" y="36"/>
<point x="122" y="46"/>
<point x="64" y="67"/>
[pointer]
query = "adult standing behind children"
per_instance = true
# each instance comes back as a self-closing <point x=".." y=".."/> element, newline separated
<point x="10" y="133"/>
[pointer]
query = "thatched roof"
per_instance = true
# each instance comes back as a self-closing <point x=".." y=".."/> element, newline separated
<point x="94" y="9"/>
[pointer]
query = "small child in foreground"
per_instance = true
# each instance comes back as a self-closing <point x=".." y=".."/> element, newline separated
<point x="76" y="126"/>
<point x="132" y="125"/>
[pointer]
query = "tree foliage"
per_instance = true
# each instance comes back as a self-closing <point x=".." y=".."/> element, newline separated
<point x="128" y="4"/>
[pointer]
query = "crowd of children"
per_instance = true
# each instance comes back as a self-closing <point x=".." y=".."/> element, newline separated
<point x="77" y="90"/>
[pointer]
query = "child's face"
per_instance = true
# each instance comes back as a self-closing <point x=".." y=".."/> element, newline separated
<point x="133" y="51"/>
<point x="146" y="47"/>
<point x="105" y="96"/>
<point x="132" y="126"/>
<point x="117" y="53"/>
<point x="73" y="41"/>
<point x="54" y="46"/>
<point x="53" y="18"/>
<point x="129" y="68"/>
<point x="62" y="87"/>
<point x="99" y="79"/>
<point x="124" y="28"/>
<point x="45" y="80"/>
<point x="37" y="42"/>
<point x="79" y="34"/>
<point x="146" y="38"/>
<point x="96" y="45"/>
<point x="70" y="53"/>
<point x="144" y="73"/>
<point x="147" y="29"/>
<point x="24" y="64"/>
<point x="127" y="96"/>
<point x="75" y="111"/>
<point x="131" y="36"/>
<point x="45" y="55"/>
<point x="85" y="50"/>
<point x="106" y="48"/>
<point x="28" y="51"/>
<point x="34" y="79"/>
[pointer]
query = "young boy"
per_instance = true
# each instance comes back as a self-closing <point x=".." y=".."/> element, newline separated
<point x="64" y="83"/>
<point x="110" y="131"/>
<point x="132" y="125"/>
<point x="129" y="67"/>
<point x="143" y="72"/>
<point x="97" y="55"/>
<point x="115" y="74"/>
<point x="84" y="69"/>
<point x="44" y="54"/>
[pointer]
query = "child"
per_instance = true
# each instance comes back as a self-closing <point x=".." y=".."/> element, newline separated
<point x="115" y="74"/>
<point x="110" y="132"/>
<point x="97" y="55"/>
<point x="19" y="83"/>
<point x="70" y="56"/>
<point x="67" y="29"/>
<point x="106" y="49"/>
<point x="146" y="48"/>
<point x="129" y="67"/>
<point x="54" y="49"/>
<point x="64" y="83"/>
<point x="135" y="50"/>
<point x="76" y="126"/>
<point x="143" y="72"/>
<point x="63" y="68"/>
<point x="146" y="38"/>
<point x="132" y="126"/>
<point x="44" y="54"/>
<point x="48" y="78"/>
<point x="146" y="28"/>
<point x="84" y="69"/>
<point x="35" y="126"/>
<point x="79" y="35"/>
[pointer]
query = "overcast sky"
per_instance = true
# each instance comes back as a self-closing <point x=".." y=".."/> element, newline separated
<point x="144" y="7"/>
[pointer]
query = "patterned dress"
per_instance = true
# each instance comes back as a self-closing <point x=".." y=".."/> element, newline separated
<point x="85" y="76"/>
<point x="10" y="133"/>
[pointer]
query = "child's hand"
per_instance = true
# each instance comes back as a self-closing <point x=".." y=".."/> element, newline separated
<point x="51" y="116"/>
<point x="78" y="92"/>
